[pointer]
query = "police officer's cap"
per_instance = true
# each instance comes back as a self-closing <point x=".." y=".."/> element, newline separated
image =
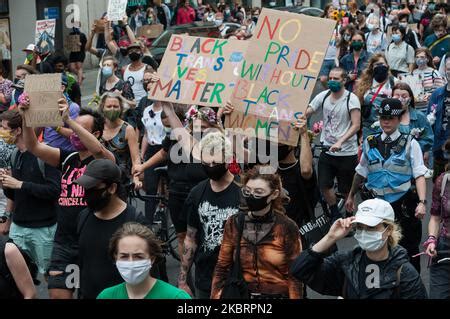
<point x="390" y="108"/>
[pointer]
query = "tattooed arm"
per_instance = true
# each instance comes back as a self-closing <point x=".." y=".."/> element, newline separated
<point x="190" y="247"/>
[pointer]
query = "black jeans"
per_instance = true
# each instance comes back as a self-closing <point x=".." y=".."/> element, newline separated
<point x="411" y="227"/>
<point x="151" y="180"/>
<point x="440" y="273"/>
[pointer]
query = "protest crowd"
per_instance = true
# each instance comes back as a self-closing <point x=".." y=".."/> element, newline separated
<point x="118" y="186"/>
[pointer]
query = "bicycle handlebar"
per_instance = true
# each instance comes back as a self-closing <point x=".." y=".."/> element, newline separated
<point x="144" y="197"/>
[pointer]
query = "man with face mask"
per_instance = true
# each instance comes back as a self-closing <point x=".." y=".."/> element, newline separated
<point x="376" y="39"/>
<point x="34" y="187"/>
<point x="134" y="72"/>
<point x="411" y="36"/>
<point x="105" y="213"/>
<point x="86" y="129"/>
<point x="389" y="164"/>
<point x="342" y="117"/>
<point x="208" y="206"/>
<point x="351" y="274"/>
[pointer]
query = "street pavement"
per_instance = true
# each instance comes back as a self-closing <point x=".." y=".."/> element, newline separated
<point x="173" y="266"/>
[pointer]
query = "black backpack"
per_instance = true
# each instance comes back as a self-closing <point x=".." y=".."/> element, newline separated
<point x="5" y="273"/>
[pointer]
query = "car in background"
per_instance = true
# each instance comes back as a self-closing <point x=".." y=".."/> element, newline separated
<point x="196" y="29"/>
<point x="309" y="11"/>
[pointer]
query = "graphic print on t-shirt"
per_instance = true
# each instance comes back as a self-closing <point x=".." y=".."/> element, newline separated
<point x="213" y="220"/>
<point x="72" y="194"/>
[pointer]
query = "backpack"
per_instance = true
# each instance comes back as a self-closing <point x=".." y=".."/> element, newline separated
<point x="15" y="154"/>
<point x="5" y="273"/>
<point x="348" y="101"/>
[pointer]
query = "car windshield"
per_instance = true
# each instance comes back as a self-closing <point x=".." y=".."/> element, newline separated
<point x="163" y="40"/>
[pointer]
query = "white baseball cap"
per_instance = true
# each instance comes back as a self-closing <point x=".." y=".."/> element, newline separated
<point x="29" y="47"/>
<point x="373" y="211"/>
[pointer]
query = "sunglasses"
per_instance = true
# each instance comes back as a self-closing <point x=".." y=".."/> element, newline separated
<point x="151" y="113"/>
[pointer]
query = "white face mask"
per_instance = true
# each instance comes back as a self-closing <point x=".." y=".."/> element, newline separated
<point x="405" y="101"/>
<point x="134" y="272"/>
<point x="403" y="24"/>
<point x="370" y="240"/>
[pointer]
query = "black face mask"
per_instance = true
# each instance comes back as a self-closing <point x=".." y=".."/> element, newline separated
<point x="97" y="199"/>
<point x="283" y="152"/>
<point x="123" y="51"/>
<point x="256" y="204"/>
<point x="380" y="73"/>
<point x="215" y="172"/>
<point x="134" y="56"/>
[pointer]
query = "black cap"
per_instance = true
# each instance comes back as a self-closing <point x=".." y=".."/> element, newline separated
<point x="390" y="107"/>
<point x="99" y="171"/>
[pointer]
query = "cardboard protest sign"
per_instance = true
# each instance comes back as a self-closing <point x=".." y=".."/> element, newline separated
<point x="73" y="43"/>
<point x="117" y="9"/>
<point x="45" y="35"/>
<point x="44" y="91"/>
<point x="278" y="74"/>
<point x="196" y="70"/>
<point x="151" y="31"/>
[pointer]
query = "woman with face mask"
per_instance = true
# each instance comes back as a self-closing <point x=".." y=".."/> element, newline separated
<point x="439" y="41"/>
<point x="134" y="72"/>
<point x="266" y="231"/>
<point x="374" y="85"/>
<point x="399" y="54"/>
<point x="111" y="82"/>
<point x="376" y="39"/>
<point x="119" y="137"/>
<point x="135" y="250"/>
<point x="413" y="122"/>
<point x="343" y="45"/>
<point x="356" y="274"/>
<point x="428" y="77"/>
<point x="356" y="60"/>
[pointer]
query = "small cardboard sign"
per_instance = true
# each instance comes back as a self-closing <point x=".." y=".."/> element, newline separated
<point x="45" y="36"/>
<point x="44" y="91"/>
<point x="117" y="9"/>
<point x="73" y="43"/>
<point x="151" y="31"/>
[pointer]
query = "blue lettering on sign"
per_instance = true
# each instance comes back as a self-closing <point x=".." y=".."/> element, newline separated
<point x="51" y="13"/>
<point x="236" y="57"/>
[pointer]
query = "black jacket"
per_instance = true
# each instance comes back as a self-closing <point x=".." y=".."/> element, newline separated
<point x="339" y="274"/>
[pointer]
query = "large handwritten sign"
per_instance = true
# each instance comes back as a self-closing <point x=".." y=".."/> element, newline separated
<point x="278" y="74"/>
<point x="44" y="91"/>
<point x="200" y="71"/>
<point x="45" y="36"/>
<point x="116" y="9"/>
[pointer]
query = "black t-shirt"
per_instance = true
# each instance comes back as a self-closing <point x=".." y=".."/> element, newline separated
<point x="185" y="174"/>
<point x="35" y="203"/>
<point x="365" y="272"/>
<point x="302" y="193"/>
<point x="98" y="269"/>
<point x="71" y="200"/>
<point x="207" y="212"/>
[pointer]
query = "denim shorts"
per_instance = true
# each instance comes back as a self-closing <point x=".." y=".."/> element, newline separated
<point x="327" y="66"/>
<point x="37" y="242"/>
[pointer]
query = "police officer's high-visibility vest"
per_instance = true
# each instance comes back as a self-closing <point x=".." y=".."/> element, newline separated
<point x="389" y="178"/>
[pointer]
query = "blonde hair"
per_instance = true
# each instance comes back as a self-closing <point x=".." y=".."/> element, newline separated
<point x="113" y="95"/>
<point x="396" y="233"/>
<point x="365" y="81"/>
<point x="216" y="142"/>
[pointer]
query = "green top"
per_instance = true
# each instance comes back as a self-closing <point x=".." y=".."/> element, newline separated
<point x="161" y="290"/>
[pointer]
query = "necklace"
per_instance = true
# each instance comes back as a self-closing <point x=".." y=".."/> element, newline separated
<point x="288" y="167"/>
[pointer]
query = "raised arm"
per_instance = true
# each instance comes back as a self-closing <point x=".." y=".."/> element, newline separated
<point x="48" y="154"/>
<point x="111" y="44"/>
<point x="90" y="40"/>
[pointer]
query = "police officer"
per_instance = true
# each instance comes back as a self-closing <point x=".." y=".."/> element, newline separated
<point x="392" y="165"/>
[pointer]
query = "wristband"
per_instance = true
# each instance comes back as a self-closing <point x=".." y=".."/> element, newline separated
<point x="58" y="129"/>
<point x="431" y="240"/>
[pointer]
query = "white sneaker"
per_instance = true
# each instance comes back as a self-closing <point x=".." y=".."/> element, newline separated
<point x="429" y="173"/>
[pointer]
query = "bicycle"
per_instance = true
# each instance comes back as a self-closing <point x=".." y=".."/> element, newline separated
<point x="339" y="196"/>
<point x="162" y="225"/>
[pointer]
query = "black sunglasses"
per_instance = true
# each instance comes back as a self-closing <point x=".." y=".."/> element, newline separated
<point x="151" y="113"/>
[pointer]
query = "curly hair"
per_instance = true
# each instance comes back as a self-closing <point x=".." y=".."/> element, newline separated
<point x="274" y="182"/>
<point x="365" y="82"/>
